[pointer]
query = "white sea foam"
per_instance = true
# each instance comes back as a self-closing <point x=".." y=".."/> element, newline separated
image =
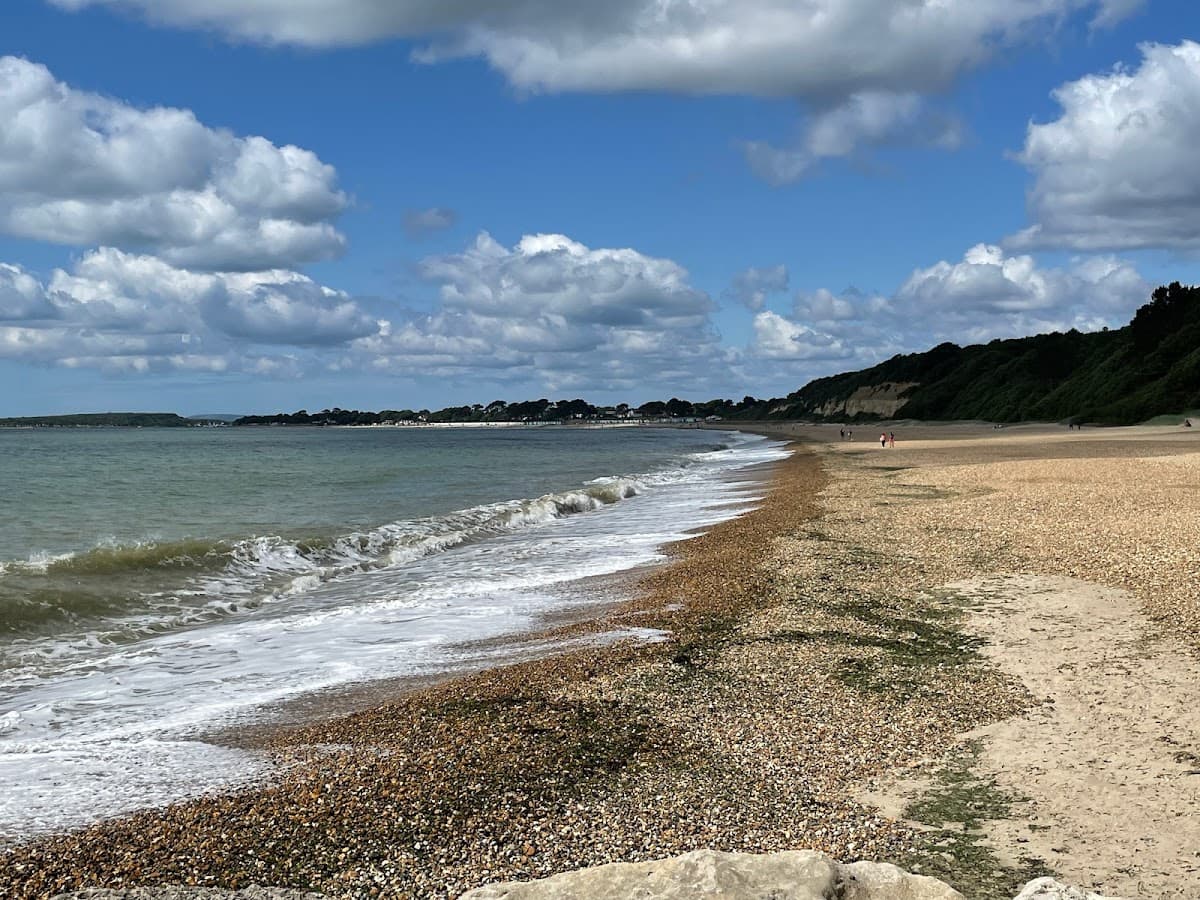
<point x="37" y="562"/>
<point x="49" y="786"/>
<point x="288" y="619"/>
<point x="259" y="560"/>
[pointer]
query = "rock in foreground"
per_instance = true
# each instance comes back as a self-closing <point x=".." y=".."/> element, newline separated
<point x="788" y="875"/>
<point x="699" y="875"/>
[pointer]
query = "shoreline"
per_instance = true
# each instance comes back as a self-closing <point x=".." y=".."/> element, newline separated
<point x="597" y="611"/>
<point x="521" y="685"/>
<point x="238" y="678"/>
<point x="818" y="650"/>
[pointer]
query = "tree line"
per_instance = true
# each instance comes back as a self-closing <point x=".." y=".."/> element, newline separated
<point x="526" y="411"/>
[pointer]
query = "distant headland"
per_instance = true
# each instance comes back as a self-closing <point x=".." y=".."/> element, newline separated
<point x="111" y="420"/>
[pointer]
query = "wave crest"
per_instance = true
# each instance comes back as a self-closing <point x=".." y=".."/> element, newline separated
<point x="154" y="586"/>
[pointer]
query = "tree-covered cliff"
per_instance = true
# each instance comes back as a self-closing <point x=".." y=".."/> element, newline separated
<point x="1150" y="367"/>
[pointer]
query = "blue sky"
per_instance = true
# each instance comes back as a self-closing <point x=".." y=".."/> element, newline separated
<point x="258" y="205"/>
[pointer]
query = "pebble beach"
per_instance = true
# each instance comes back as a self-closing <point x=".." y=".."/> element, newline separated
<point x="812" y="655"/>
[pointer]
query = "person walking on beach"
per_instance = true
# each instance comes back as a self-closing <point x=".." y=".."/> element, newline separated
<point x="883" y="439"/>
<point x="842" y="432"/>
<point x="892" y="439"/>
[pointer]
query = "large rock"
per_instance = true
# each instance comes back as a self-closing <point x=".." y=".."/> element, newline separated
<point x="701" y="874"/>
<point x="1049" y="889"/>
<point x="875" y="881"/>
<point x="791" y="875"/>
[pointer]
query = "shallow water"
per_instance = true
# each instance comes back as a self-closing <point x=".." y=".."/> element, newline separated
<point x="159" y="583"/>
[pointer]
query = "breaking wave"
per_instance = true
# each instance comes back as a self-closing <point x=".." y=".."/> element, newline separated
<point x="158" y="586"/>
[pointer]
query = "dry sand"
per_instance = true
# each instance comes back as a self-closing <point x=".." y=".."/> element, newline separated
<point x="1109" y="760"/>
<point x="1086" y="551"/>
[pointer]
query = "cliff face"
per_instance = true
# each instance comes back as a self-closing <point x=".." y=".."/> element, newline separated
<point x="879" y="401"/>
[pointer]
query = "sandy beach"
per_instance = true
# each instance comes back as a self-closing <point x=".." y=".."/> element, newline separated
<point x="973" y="654"/>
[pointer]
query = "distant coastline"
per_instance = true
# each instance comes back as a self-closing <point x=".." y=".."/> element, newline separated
<point x="1143" y="372"/>
<point x="111" y="420"/>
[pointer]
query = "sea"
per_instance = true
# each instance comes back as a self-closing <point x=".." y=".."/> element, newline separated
<point x="158" y="586"/>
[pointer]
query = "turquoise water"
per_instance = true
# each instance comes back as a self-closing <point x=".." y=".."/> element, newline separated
<point x="158" y="583"/>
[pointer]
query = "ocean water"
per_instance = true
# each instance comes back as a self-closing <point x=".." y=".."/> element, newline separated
<point x="157" y="584"/>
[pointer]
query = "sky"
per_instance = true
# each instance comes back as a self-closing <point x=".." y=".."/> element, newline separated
<point x="250" y="206"/>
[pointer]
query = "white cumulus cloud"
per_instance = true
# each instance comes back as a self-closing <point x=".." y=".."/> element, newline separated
<point x="81" y="169"/>
<point x="987" y="294"/>
<point x="777" y="337"/>
<point x="22" y="296"/>
<point x="822" y="305"/>
<point x="862" y="66"/>
<point x="128" y="312"/>
<point x="990" y="294"/>
<point x="550" y="276"/>
<point x="553" y="310"/>
<point x="548" y="311"/>
<point x="781" y="47"/>
<point x="1118" y="170"/>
